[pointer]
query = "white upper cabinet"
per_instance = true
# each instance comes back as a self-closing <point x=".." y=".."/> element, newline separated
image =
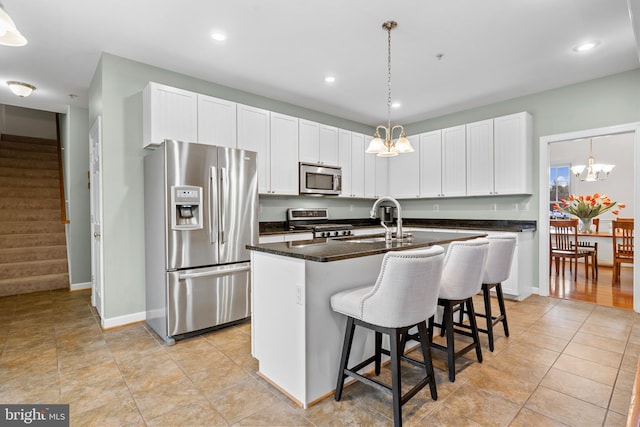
<point x="454" y="163"/>
<point x="376" y="176"/>
<point x="254" y="135"/>
<point x="318" y="143"/>
<point x="168" y="113"/>
<point x="283" y="153"/>
<point x="344" y="161"/>
<point x="216" y="121"/>
<point x="357" y="164"/>
<point x="404" y="172"/>
<point x="513" y="146"/>
<point x="480" y="158"/>
<point x="431" y="164"/>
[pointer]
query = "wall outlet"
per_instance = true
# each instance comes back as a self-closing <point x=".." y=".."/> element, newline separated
<point x="493" y="207"/>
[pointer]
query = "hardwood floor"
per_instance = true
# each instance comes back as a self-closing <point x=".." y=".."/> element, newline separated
<point x="598" y="291"/>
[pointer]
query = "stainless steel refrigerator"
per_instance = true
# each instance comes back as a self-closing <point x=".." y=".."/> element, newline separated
<point x="200" y="212"/>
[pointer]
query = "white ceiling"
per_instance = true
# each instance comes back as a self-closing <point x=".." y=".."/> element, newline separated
<point x="282" y="49"/>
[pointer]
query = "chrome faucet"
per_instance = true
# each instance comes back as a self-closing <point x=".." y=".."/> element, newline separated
<point x="374" y="211"/>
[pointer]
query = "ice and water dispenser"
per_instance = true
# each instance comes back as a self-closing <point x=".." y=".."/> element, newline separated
<point x="186" y="207"/>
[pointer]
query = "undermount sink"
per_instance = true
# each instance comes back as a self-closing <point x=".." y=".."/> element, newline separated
<point x="372" y="238"/>
<point x="365" y="240"/>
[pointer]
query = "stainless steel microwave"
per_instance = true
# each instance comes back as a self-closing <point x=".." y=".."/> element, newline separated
<point x="317" y="179"/>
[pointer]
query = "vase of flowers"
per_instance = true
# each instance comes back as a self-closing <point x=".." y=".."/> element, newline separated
<point x="588" y="207"/>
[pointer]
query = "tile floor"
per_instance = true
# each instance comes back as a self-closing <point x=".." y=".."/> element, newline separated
<point x="565" y="363"/>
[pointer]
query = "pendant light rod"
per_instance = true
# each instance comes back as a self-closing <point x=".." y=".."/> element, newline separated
<point x="388" y="147"/>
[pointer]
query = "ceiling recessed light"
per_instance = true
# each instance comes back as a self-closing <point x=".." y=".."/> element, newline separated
<point x="218" y="36"/>
<point x="583" y="47"/>
<point x="329" y="79"/>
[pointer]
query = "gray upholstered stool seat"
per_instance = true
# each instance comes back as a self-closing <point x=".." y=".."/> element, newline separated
<point x="404" y="296"/>
<point x="462" y="276"/>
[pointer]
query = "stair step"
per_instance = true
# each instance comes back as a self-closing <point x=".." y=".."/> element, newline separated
<point x="33" y="254"/>
<point x="28" y="172"/>
<point x="31" y="240"/>
<point x="8" y="181"/>
<point x="28" y="146"/>
<point x="31" y="227"/>
<point x="14" y="270"/>
<point x="24" y="285"/>
<point x="31" y="192"/>
<point x="20" y="204"/>
<point x="33" y="155"/>
<point x="7" y="215"/>
<point x="29" y="163"/>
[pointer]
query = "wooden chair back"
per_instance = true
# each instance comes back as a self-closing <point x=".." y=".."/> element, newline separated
<point x="596" y="223"/>
<point x="622" y="232"/>
<point x="565" y="235"/>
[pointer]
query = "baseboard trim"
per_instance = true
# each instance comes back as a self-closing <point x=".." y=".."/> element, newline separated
<point x="124" y="320"/>
<point x="80" y="286"/>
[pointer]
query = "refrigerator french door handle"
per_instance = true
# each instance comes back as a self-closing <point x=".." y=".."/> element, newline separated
<point x="225" y="272"/>
<point x="213" y="214"/>
<point x="224" y="181"/>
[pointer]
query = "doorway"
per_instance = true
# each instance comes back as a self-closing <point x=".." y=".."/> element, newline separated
<point x="545" y="150"/>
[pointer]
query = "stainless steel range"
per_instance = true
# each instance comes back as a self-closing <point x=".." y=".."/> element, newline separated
<point x="316" y="220"/>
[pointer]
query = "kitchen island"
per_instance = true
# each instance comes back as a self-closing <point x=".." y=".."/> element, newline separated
<point x="296" y="337"/>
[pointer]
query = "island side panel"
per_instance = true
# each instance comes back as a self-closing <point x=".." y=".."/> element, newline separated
<point x="278" y="321"/>
<point x="325" y="328"/>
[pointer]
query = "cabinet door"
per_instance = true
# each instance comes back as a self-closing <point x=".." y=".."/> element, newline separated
<point x="431" y="164"/>
<point x="328" y="146"/>
<point x="309" y="141"/>
<point x="284" y="154"/>
<point x="357" y="164"/>
<point x="168" y="113"/>
<point x="404" y="172"/>
<point x="513" y="154"/>
<point x="253" y="134"/>
<point x="480" y="158"/>
<point x="344" y="161"/>
<point x="216" y="121"/>
<point x="382" y="176"/>
<point x="370" y="175"/>
<point x="454" y="163"/>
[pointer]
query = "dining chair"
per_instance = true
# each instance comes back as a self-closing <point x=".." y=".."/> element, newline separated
<point x="592" y="247"/>
<point x="622" y="235"/>
<point x="563" y="244"/>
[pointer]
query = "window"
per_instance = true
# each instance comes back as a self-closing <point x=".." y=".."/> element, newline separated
<point x="558" y="188"/>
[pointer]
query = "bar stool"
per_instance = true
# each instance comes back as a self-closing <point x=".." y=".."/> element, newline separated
<point x="404" y="295"/>
<point x="499" y="260"/>
<point x="462" y="276"/>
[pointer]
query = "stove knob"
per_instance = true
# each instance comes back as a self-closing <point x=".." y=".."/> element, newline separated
<point x="324" y="234"/>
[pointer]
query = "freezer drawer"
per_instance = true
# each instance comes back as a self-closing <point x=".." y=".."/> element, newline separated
<point x="201" y="298"/>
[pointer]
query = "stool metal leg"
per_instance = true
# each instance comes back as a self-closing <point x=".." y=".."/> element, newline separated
<point x="346" y="350"/>
<point x="503" y="311"/>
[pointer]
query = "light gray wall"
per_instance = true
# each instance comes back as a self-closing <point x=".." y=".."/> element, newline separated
<point x="115" y="93"/>
<point x="27" y="122"/>
<point x="76" y="156"/>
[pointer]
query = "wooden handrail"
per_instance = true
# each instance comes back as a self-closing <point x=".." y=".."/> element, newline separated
<point x="63" y="200"/>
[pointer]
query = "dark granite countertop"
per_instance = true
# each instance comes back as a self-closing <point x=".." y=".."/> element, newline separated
<point x="335" y="249"/>
<point x="279" y="227"/>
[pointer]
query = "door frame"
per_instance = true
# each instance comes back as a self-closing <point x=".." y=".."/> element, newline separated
<point x="543" y="191"/>
<point x="95" y="193"/>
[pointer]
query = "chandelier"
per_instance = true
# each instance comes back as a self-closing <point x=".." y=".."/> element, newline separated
<point x="9" y="34"/>
<point x="388" y="147"/>
<point x="594" y="171"/>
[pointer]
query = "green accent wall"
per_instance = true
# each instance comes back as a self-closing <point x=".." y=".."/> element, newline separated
<point x="115" y="93"/>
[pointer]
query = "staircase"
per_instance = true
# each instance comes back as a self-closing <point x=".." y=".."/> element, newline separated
<point x="33" y="252"/>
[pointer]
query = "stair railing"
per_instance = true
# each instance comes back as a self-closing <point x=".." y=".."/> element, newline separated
<point x="63" y="199"/>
